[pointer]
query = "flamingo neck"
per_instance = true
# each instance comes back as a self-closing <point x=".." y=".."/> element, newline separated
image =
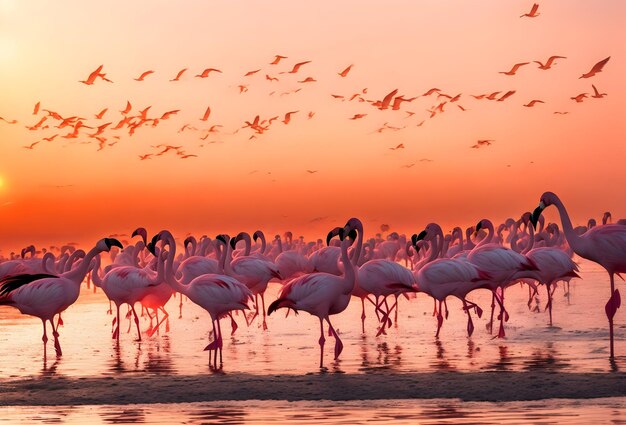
<point x="78" y="273"/>
<point x="571" y="236"/>
<point x="486" y="240"/>
<point x="348" y="274"/>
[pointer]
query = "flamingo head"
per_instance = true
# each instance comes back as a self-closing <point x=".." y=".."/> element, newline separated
<point x="223" y="238"/>
<point x="140" y="231"/>
<point x="337" y="231"/>
<point x="107" y="243"/>
<point x="188" y="240"/>
<point x="258" y="234"/>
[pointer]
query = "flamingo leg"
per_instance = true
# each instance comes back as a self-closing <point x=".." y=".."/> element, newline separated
<point x="264" y="314"/>
<point x="167" y="319"/>
<point x="610" y="309"/>
<point x="549" y="304"/>
<point x="151" y="329"/>
<point x="439" y="319"/>
<point x="59" y="321"/>
<point x="116" y="325"/>
<point x="180" y="306"/>
<point x="493" y="306"/>
<point x="233" y="324"/>
<point x="470" y="323"/>
<point x="395" y="318"/>
<point x="321" y="342"/>
<point x="362" y="315"/>
<point x="57" y="344"/>
<point x="338" y="343"/>
<point x="44" y="338"/>
<point x="132" y="308"/>
<point x="219" y="340"/>
<point x="212" y="345"/>
<point x="110" y="310"/>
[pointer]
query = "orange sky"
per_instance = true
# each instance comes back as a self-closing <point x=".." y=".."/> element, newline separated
<point x="67" y="190"/>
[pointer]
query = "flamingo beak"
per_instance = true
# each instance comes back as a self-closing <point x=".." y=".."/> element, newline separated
<point x="111" y="242"/>
<point x="534" y="218"/>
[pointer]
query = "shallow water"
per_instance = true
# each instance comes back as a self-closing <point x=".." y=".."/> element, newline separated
<point x="576" y="343"/>
<point x="599" y="411"/>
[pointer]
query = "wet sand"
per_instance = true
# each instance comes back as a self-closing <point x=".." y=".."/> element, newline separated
<point x="485" y="386"/>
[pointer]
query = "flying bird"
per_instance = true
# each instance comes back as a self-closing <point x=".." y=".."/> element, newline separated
<point x="308" y="80"/>
<point x="101" y="113"/>
<point x="144" y="157"/>
<point x="358" y="116"/>
<point x="344" y="73"/>
<point x="514" y="69"/>
<point x="387" y="100"/>
<point x="408" y="165"/>
<point x="596" y="93"/>
<point x="596" y="68"/>
<point x="311" y="114"/>
<point x="400" y="146"/>
<point x="206" y="114"/>
<point x="143" y="75"/>
<point x="242" y="88"/>
<point x="185" y="156"/>
<point x="207" y="71"/>
<point x="481" y="143"/>
<point x="579" y="98"/>
<point x="51" y="138"/>
<point x="549" y="62"/>
<point x="288" y="117"/>
<point x="311" y="171"/>
<point x="31" y="146"/>
<point x="561" y="113"/>
<point x="180" y="74"/>
<point x="431" y="91"/>
<point x="168" y="114"/>
<point x="296" y="67"/>
<point x="277" y="59"/>
<point x="95" y="74"/>
<point x="533" y="102"/>
<point x="493" y="95"/>
<point x="506" y="95"/>
<point x="249" y="73"/>
<point x="36" y="109"/>
<point x="268" y="78"/>
<point x="127" y="109"/>
<point x="533" y="12"/>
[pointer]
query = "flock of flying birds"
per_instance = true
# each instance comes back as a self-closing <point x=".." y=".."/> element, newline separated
<point x="106" y="129"/>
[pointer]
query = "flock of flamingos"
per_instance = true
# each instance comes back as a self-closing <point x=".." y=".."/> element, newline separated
<point x="223" y="276"/>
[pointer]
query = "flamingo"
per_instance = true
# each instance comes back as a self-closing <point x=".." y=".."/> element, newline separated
<point x="322" y="294"/>
<point x="127" y="285"/>
<point x="45" y="295"/>
<point x="605" y="245"/>
<point x="218" y="294"/>
<point x="553" y="263"/>
<point x="254" y="272"/>
<point x="380" y="277"/>
<point x="442" y="277"/>
<point x="503" y="265"/>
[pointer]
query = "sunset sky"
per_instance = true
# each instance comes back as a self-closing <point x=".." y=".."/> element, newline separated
<point x="68" y="190"/>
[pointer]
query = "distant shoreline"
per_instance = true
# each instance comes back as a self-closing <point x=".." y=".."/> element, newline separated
<point x="147" y="389"/>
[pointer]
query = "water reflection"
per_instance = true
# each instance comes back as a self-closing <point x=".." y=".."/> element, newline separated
<point x="123" y="415"/>
<point x="385" y="412"/>
<point x="385" y="356"/>
<point x="546" y="358"/>
<point x="442" y="362"/>
<point x="223" y="415"/>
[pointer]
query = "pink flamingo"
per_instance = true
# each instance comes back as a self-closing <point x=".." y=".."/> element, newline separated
<point x="218" y="294"/>
<point x="379" y="277"/>
<point x="321" y="294"/>
<point x="128" y="285"/>
<point x="605" y="245"/>
<point x="553" y="263"/>
<point x="442" y="277"/>
<point x="254" y="272"/>
<point x="44" y="296"/>
<point x="503" y="265"/>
